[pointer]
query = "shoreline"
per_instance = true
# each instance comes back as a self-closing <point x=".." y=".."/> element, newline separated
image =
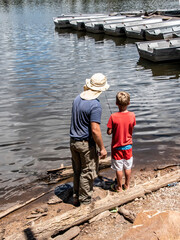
<point x="47" y="183"/>
<point x="40" y="208"/>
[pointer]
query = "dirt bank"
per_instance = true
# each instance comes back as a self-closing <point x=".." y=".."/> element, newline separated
<point x="112" y="226"/>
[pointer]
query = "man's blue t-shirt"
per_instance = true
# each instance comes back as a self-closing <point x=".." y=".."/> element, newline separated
<point x="83" y="113"/>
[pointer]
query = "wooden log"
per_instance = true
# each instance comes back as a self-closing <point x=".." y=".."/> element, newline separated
<point x="67" y="172"/>
<point x="48" y="228"/>
<point x="161" y="167"/>
<point x="100" y="216"/>
<point x="14" y="208"/>
<point x="68" y="235"/>
<point x="58" y="169"/>
<point x="103" y="163"/>
<point x="36" y="215"/>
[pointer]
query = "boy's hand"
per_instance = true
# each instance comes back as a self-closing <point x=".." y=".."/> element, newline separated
<point x="109" y="131"/>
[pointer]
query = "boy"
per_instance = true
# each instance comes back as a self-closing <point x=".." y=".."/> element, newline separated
<point x="121" y="125"/>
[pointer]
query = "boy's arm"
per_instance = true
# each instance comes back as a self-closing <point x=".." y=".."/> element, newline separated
<point x="109" y="131"/>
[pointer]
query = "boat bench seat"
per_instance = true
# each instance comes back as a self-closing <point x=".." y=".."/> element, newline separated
<point x="174" y="43"/>
<point x="152" y="45"/>
<point x="176" y="28"/>
<point x="176" y="34"/>
<point x="157" y="45"/>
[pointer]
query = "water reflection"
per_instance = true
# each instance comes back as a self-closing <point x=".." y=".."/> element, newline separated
<point x="99" y="38"/>
<point x="168" y="69"/>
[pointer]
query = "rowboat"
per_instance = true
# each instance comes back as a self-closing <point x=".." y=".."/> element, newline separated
<point x="64" y="21"/>
<point x="138" y="32"/>
<point x="162" y="50"/>
<point x="172" y="12"/>
<point x="80" y="24"/>
<point x="98" y="26"/>
<point x="119" y="29"/>
<point x="110" y="29"/>
<point x="161" y="33"/>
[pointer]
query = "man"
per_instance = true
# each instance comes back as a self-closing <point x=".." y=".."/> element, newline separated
<point x="85" y="133"/>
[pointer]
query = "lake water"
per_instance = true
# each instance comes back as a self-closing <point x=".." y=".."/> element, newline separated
<point x="42" y="70"/>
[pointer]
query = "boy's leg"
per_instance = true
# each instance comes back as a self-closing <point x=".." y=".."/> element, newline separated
<point x="127" y="171"/>
<point x="127" y="178"/>
<point x="119" y="175"/>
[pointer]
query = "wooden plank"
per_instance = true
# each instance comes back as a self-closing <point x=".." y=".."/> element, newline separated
<point x="14" y="208"/>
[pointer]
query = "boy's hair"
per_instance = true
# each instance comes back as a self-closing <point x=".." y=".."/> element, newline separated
<point x="122" y="99"/>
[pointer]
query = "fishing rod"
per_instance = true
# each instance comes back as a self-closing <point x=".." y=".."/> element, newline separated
<point x="108" y="103"/>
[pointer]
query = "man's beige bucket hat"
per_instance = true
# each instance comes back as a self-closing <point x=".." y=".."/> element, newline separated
<point x="94" y="86"/>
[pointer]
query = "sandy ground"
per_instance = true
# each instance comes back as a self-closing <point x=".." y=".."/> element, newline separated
<point x="111" y="227"/>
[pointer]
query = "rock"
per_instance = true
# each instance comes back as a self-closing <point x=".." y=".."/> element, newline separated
<point x="129" y="215"/>
<point x="59" y="210"/>
<point x="70" y="234"/>
<point x="2" y="231"/>
<point x="154" y="225"/>
<point x="39" y="210"/>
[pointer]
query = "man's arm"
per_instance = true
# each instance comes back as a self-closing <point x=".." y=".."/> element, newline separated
<point x="97" y="136"/>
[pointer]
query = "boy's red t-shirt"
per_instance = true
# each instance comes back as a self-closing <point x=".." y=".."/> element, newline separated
<point x="122" y="124"/>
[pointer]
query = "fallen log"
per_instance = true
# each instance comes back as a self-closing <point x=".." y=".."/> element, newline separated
<point x="162" y="167"/>
<point x="70" y="234"/>
<point x="100" y="216"/>
<point x="103" y="163"/>
<point x="62" y="173"/>
<point x="44" y="230"/>
<point x="58" y="169"/>
<point x="14" y="208"/>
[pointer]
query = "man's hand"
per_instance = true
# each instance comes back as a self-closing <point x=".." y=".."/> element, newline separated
<point x="103" y="154"/>
<point x="96" y="133"/>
